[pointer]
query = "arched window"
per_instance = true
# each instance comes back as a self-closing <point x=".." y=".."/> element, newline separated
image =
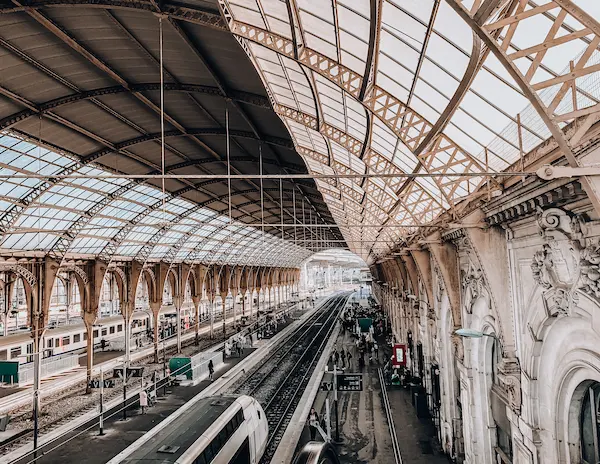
<point x="589" y="425"/>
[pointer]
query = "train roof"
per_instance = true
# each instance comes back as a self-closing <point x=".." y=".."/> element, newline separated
<point x="25" y="335"/>
<point x="182" y="432"/>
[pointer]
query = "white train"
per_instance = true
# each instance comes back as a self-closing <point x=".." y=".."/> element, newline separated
<point x="216" y="430"/>
<point x="68" y="338"/>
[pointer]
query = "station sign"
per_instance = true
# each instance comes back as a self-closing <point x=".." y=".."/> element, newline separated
<point x="350" y="382"/>
<point x="327" y="386"/>
<point x="98" y="383"/>
<point x="399" y="355"/>
<point x="131" y="372"/>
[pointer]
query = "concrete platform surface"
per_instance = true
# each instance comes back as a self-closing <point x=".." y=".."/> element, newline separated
<point x="363" y="423"/>
<point x="91" y="448"/>
<point x="85" y="445"/>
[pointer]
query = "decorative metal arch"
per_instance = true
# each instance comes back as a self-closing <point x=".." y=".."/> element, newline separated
<point x="77" y="270"/>
<point x="23" y="272"/>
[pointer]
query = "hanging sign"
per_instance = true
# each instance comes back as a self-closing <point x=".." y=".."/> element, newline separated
<point x="399" y="355"/>
<point x="350" y="382"/>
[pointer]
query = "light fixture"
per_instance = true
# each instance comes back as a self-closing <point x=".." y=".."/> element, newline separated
<point x="472" y="333"/>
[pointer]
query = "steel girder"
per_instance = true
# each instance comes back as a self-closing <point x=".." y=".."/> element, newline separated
<point x="515" y="15"/>
<point x="42" y="108"/>
<point x="200" y="131"/>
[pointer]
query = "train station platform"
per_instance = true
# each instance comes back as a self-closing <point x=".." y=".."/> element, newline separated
<point x="363" y="422"/>
<point x="12" y="397"/>
<point x="118" y="433"/>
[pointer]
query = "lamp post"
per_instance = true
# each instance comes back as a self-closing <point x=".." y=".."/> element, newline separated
<point x="472" y="333"/>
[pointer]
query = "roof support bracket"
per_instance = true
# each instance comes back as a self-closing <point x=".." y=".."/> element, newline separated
<point x="548" y="172"/>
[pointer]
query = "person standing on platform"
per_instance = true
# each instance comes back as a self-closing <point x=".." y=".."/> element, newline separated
<point x="313" y="421"/>
<point x="343" y="357"/>
<point x="211" y="370"/>
<point x="143" y="400"/>
<point x="349" y="357"/>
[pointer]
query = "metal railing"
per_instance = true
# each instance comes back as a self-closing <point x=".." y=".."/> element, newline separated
<point x="200" y="363"/>
<point x="49" y="366"/>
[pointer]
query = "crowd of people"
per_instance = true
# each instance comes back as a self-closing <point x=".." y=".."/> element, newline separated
<point x="235" y="345"/>
<point x="365" y="335"/>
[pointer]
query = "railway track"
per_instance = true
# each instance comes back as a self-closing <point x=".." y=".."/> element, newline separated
<point x="280" y="380"/>
<point x="76" y="391"/>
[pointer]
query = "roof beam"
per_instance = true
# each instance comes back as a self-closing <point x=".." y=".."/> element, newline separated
<point x="499" y="47"/>
<point x="195" y="49"/>
<point x="244" y="97"/>
<point x="213" y="131"/>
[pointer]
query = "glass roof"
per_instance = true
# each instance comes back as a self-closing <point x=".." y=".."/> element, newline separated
<point x="118" y="218"/>
<point x="379" y="94"/>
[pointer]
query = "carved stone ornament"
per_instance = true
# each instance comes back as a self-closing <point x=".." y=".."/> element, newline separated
<point x="557" y="266"/>
<point x="509" y="379"/>
<point x="473" y="285"/>
<point x="439" y="284"/>
<point x="590" y="271"/>
<point x="459" y="349"/>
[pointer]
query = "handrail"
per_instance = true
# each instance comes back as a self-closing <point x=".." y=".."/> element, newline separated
<point x="317" y="453"/>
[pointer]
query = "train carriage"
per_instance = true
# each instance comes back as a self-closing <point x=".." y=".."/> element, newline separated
<point x="214" y="430"/>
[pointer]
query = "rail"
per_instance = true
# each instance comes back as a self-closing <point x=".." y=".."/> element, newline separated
<point x="390" y="418"/>
<point x="303" y="353"/>
<point x="317" y="453"/>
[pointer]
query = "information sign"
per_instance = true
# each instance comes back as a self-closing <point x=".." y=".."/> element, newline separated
<point x="327" y="386"/>
<point x="131" y="372"/>
<point x="399" y="355"/>
<point x="349" y="382"/>
<point x="97" y="383"/>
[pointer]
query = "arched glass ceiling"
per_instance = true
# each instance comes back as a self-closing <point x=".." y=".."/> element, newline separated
<point x="337" y="257"/>
<point x="118" y="218"/>
<point x="410" y="86"/>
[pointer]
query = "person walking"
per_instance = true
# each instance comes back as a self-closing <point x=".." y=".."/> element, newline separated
<point x="211" y="370"/>
<point x="143" y="400"/>
<point x="349" y="357"/>
<point x="343" y="358"/>
<point x="376" y="349"/>
<point x="313" y="421"/>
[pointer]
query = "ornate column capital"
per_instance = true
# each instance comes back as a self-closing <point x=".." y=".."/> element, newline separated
<point x="509" y="379"/>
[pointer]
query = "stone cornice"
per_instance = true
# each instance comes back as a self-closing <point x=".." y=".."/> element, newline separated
<point x="542" y="197"/>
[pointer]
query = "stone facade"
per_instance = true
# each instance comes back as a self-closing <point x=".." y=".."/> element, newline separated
<point x="528" y="273"/>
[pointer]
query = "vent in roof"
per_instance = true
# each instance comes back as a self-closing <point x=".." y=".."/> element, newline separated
<point x="168" y="449"/>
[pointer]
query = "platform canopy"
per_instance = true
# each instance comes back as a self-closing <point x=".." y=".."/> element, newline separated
<point x="449" y="90"/>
